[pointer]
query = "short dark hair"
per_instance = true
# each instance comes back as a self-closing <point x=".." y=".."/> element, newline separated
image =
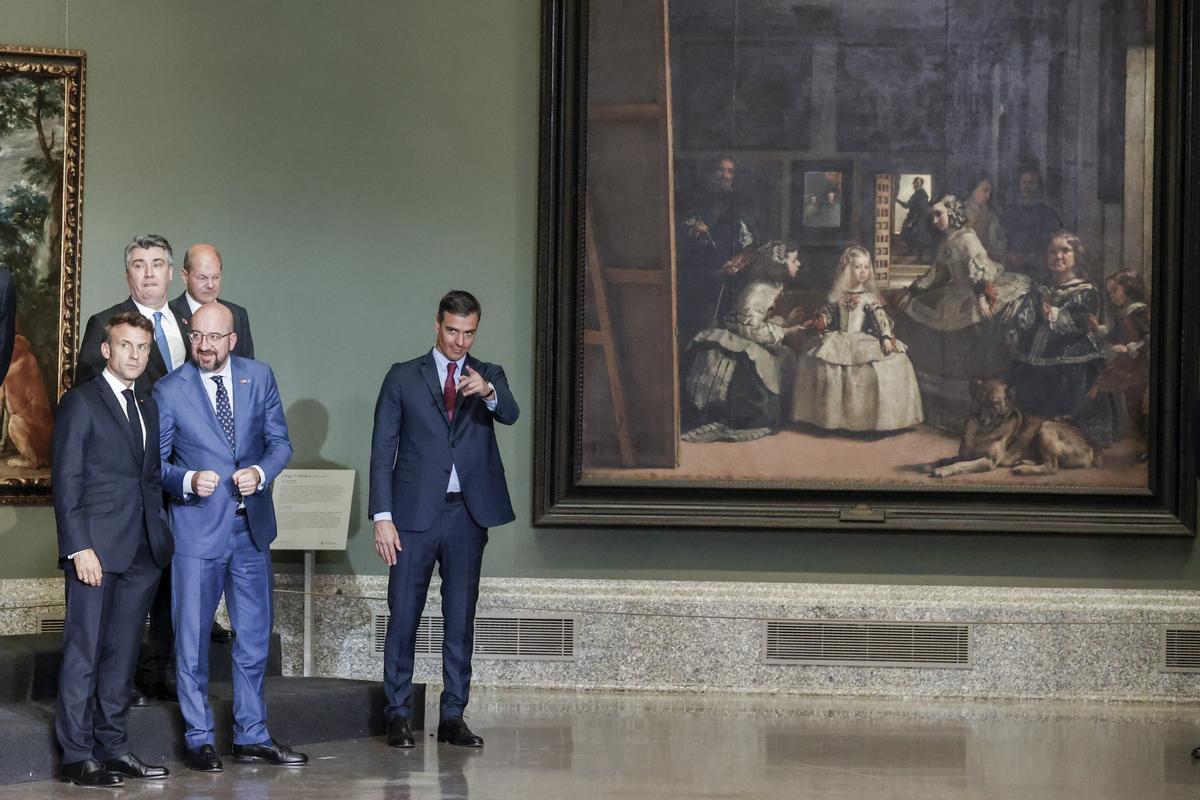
<point x="145" y="241"/>
<point x="1131" y="283"/>
<point x="459" y="303"/>
<point x="131" y="318"/>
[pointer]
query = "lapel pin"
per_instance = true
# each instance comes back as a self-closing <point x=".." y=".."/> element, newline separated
<point x="243" y="380"/>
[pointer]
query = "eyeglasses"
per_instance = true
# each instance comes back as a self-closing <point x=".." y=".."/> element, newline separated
<point x="195" y="337"/>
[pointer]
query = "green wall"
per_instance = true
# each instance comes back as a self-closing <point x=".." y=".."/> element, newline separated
<point x="353" y="160"/>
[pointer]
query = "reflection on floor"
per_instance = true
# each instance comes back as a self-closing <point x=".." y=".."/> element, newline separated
<point x="565" y="746"/>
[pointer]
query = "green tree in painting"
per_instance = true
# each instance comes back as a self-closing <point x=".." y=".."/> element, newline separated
<point x="31" y="210"/>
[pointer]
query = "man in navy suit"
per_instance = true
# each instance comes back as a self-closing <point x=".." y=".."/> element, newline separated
<point x="224" y="440"/>
<point x="113" y="543"/>
<point x="202" y="269"/>
<point x="437" y="485"/>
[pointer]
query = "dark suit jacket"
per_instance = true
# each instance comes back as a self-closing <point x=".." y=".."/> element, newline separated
<point x="241" y="323"/>
<point x="103" y="494"/>
<point x="192" y="439"/>
<point x="414" y="444"/>
<point x="91" y="362"/>
<point x="8" y="320"/>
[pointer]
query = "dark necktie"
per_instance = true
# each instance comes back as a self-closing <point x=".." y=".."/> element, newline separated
<point x="450" y="390"/>
<point x="135" y="423"/>
<point x="224" y="411"/>
<point x="160" y="338"/>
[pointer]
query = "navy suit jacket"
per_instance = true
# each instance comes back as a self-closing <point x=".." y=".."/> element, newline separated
<point x="241" y="323"/>
<point x="91" y="360"/>
<point x="192" y="439"/>
<point x="414" y="444"/>
<point x="104" y="497"/>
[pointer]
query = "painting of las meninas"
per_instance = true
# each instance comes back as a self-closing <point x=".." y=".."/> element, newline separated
<point x="41" y="140"/>
<point x="975" y="304"/>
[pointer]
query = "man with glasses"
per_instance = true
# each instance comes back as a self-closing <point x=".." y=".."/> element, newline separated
<point x="202" y="270"/>
<point x="224" y="439"/>
<point x="148" y="268"/>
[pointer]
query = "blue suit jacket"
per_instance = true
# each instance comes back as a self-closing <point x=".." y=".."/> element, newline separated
<point x="414" y="444"/>
<point x="191" y="439"/>
<point x="103" y="494"/>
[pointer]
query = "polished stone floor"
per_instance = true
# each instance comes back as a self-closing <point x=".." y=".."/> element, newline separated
<point x="568" y="746"/>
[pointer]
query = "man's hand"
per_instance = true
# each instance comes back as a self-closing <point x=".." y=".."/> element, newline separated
<point x="205" y="482"/>
<point x="471" y="382"/>
<point x="246" y="481"/>
<point x="87" y="567"/>
<point x="387" y="541"/>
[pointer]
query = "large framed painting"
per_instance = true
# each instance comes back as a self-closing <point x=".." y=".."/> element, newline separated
<point x="41" y="182"/>
<point x="868" y="264"/>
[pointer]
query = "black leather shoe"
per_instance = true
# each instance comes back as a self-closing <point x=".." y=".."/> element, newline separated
<point x="400" y="733"/>
<point x="455" y="731"/>
<point x="220" y="635"/>
<point x="203" y="759"/>
<point x="137" y="699"/>
<point x="134" y="767"/>
<point x="270" y="751"/>
<point x="88" y="773"/>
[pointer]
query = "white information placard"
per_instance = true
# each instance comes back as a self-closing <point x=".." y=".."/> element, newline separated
<point x="312" y="508"/>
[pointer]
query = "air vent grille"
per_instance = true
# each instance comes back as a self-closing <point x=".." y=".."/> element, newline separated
<point x="873" y="644"/>
<point x="51" y="623"/>
<point x="1181" y="648"/>
<point x="529" y="638"/>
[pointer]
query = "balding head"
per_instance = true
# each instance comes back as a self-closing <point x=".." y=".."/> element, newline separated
<point x="212" y="336"/>
<point x="202" y="272"/>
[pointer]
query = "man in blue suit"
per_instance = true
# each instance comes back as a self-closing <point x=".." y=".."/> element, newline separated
<point x="113" y="543"/>
<point x="224" y="439"/>
<point x="437" y="485"/>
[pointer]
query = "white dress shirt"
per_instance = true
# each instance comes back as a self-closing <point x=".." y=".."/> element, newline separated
<point x="192" y="302"/>
<point x="170" y="328"/>
<point x="443" y="364"/>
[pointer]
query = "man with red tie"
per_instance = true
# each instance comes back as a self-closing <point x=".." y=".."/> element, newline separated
<point x="437" y="485"/>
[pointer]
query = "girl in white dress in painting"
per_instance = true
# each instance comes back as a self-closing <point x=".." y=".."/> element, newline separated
<point x="855" y="375"/>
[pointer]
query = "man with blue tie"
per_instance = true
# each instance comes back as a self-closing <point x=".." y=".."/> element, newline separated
<point x="149" y="261"/>
<point x="437" y="485"/>
<point x="113" y="543"/>
<point x="224" y="439"/>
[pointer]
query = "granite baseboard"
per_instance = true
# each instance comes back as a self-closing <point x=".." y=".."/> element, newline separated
<point x="683" y="636"/>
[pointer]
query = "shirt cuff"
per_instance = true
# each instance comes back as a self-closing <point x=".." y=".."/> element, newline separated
<point x="72" y="556"/>
<point x="382" y="516"/>
<point x="187" y="483"/>
<point x="262" y="479"/>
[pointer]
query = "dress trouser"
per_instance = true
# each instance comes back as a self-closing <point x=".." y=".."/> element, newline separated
<point x="101" y="635"/>
<point x="455" y="543"/>
<point x="243" y="573"/>
<point x="157" y="658"/>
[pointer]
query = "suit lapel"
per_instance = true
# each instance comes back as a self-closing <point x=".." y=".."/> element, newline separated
<point x="240" y="389"/>
<point x="430" y="372"/>
<point x="118" y="413"/>
<point x="199" y="398"/>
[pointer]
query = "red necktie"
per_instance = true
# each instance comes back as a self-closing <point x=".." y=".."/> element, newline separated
<point x="450" y="390"/>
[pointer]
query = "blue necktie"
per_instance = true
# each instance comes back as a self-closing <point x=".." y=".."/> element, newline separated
<point x="160" y="338"/>
<point x="224" y="412"/>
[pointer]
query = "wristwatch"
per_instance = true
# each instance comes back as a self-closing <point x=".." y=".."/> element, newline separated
<point x="491" y="391"/>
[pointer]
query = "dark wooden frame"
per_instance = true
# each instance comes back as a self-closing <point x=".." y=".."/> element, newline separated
<point x="71" y="66"/>
<point x="562" y="498"/>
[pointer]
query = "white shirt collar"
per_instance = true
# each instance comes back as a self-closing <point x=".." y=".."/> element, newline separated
<point x="441" y="361"/>
<point x="148" y="312"/>
<point x="115" y="383"/>
<point x="192" y="302"/>
<point x="225" y="372"/>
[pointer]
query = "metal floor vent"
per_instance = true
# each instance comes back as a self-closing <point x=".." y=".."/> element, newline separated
<point x="1181" y="648"/>
<point x="51" y="623"/>
<point x="526" y="637"/>
<point x="867" y="644"/>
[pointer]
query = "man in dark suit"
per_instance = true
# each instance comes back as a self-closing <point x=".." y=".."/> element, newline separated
<point x="113" y="543"/>
<point x="148" y="267"/>
<point x="436" y="476"/>
<point x="224" y="439"/>
<point x="202" y="268"/>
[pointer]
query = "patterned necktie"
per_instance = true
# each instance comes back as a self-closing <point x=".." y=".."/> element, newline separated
<point x="160" y="338"/>
<point x="224" y="411"/>
<point x="135" y="423"/>
<point x="450" y="390"/>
